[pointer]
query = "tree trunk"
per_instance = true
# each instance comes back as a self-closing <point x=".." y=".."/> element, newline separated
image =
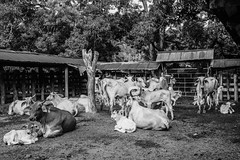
<point x="90" y="62"/>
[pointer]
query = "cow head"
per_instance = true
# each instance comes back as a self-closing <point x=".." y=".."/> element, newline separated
<point x="116" y="116"/>
<point x="33" y="128"/>
<point x="200" y="82"/>
<point x="53" y="95"/>
<point x="36" y="111"/>
<point x="141" y="82"/>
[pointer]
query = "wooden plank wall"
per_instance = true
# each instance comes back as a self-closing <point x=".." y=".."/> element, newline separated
<point x="233" y="92"/>
<point x="23" y="83"/>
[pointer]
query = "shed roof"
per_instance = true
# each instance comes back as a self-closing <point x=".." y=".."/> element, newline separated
<point x="185" y="55"/>
<point x="128" y="66"/>
<point x="225" y="63"/>
<point x="16" y="57"/>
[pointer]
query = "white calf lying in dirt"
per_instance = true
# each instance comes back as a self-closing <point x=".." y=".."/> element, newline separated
<point x="28" y="135"/>
<point x="226" y="108"/>
<point x="124" y="124"/>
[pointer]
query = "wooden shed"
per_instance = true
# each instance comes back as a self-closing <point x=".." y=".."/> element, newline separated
<point x="186" y="66"/>
<point x="119" y="69"/>
<point x="25" y="73"/>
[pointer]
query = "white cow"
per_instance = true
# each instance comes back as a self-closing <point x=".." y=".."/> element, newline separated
<point x="124" y="124"/>
<point x="206" y="88"/>
<point x="24" y="136"/>
<point x="62" y="103"/>
<point x="151" y="97"/>
<point x="83" y="103"/>
<point x="113" y="88"/>
<point x="147" y="118"/>
<point x="18" y="106"/>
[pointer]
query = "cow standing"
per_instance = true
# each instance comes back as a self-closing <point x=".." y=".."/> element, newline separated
<point x="206" y="88"/>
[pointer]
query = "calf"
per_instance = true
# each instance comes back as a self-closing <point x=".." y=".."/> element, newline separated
<point x="147" y="118"/>
<point x="24" y="136"/>
<point x="54" y="121"/>
<point x="124" y="124"/>
<point x="18" y="106"/>
<point x="226" y="108"/>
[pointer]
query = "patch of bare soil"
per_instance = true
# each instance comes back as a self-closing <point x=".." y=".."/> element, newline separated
<point x="192" y="136"/>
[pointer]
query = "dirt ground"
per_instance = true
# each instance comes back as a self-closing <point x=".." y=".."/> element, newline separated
<point x="192" y="136"/>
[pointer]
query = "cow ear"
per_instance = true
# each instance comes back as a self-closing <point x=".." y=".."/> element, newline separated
<point x="44" y="108"/>
<point x="24" y="126"/>
<point x="23" y="103"/>
<point x="33" y="96"/>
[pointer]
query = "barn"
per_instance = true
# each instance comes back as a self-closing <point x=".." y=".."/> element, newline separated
<point x="24" y="74"/>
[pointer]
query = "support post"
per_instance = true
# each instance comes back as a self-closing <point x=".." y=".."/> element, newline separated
<point x="52" y="81"/>
<point x="15" y="92"/>
<point x="41" y="80"/>
<point x="228" y="86"/>
<point x="2" y="85"/>
<point x="235" y="79"/>
<point x="33" y="84"/>
<point x="221" y="84"/>
<point x="60" y="87"/>
<point x="66" y="81"/>
<point x="23" y="84"/>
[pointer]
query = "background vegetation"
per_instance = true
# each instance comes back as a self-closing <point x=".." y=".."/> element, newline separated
<point x="120" y="30"/>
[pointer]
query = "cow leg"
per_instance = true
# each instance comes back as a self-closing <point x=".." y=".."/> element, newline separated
<point x="199" y="109"/>
<point x="53" y="132"/>
<point x="171" y="111"/>
<point x="204" y="108"/>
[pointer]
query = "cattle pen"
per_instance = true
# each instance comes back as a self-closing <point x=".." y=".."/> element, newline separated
<point x="24" y="74"/>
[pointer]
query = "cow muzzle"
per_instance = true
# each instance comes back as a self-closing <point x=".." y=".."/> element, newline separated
<point x="32" y="118"/>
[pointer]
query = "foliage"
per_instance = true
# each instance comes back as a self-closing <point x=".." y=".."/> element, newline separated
<point x="131" y="31"/>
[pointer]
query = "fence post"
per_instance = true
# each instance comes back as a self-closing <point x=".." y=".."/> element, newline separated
<point x="2" y="85"/>
<point x="235" y="79"/>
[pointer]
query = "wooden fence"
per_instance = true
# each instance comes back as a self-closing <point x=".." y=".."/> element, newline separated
<point x="185" y="78"/>
<point x="17" y="82"/>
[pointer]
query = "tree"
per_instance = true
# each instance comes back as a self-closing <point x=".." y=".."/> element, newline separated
<point x="90" y="61"/>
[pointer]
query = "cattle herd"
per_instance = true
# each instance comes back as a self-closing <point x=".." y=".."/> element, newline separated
<point x="143" y="104"/>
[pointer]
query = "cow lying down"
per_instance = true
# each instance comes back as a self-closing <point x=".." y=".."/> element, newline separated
<point x="226" y="108"/>
<point x="54" y="121"/>
<point x="147" y="118"/>
<point x="124" y="124"/>
<point x="27" y="135"/>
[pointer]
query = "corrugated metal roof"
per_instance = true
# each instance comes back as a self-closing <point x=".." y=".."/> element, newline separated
<point x="185" y="55"/>
<point x="29" y="57"/>
<point x="225" y="63"/>
<point x="128" y="66"/>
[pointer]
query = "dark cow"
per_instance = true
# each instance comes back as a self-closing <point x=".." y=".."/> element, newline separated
<point x="54" y="121"/>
